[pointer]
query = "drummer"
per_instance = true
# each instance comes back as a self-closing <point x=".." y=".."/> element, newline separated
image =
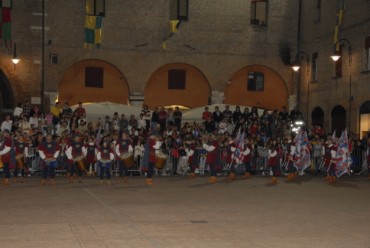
<point x="105" y="156"/>
<point x="76" y="153"/>
<point x="21" y="153"/>
<point x="91" y="150"/>
<point x="124" y="149"/>
<point x="152" y="146"/>
<point x="49" y="151"/>
<point x="5" y="153"/>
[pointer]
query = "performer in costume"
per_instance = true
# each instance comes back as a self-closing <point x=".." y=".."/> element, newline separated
<point x="231" y="159"/>
<point x="327" y="155"/>
<point x="91" y="150"/>
<point x="21" y="153"/>
<point x="152" y="145"/>
<point x="247" y="157"/>
<point x="5" y="153"/>
<point x="291" y="147"/>
<point x="332" y="149"/>
<point x="76" y="153"/>
<point x="49" y="151"/>
<point x="105" y="156"/>
<point x="192" y="156"/>
<point x="123" y="148"/>
<point x="212" y="147"/>
<point x="274" y="163"/>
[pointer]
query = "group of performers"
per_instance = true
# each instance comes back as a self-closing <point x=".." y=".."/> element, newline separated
<point x="80" y="155"/>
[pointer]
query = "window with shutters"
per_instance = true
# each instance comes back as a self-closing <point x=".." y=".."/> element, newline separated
<point x="259" y="12"/>
<point x="176" y="79"/>
<point x="255" y="81"/>
<point x="94" y="77"/>
<point x="179" y="10"/>
<point x="95" y="7"/>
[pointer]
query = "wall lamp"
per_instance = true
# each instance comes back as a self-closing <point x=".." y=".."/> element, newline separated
<point x="297" y="63"/>
<point x="336" y="56"/>
<point x="15" y="59"/>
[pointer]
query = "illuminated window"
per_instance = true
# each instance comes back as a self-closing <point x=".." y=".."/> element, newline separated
<point x="255" y="81"/>
<point x="259" y="12"/>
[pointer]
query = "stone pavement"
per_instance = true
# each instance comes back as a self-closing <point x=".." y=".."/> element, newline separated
<point x="181" y="212"/>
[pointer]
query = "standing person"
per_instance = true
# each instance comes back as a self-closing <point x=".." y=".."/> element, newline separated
<point x="162" y="119"/>
<point x="247" y="157"/>
<point x="291" y="147"/>
<point x="231" y="159"/>
<point x="177" y="114"/>
<point x="146" y="116"/>
<point x="49" y="151"/>
<point x="91" y="151"/>
<point x="5" y="154"/>
<point x="105" y="157"/>
<point x="206" y="114"/>
<point x="56" y="110"/>
<point x="217" y="116"/>
<point x="76" y="153"/>
<point x="18" y="111"/>
<point x="152" y="145"/>
<point x="210" y="144"/>
<point x="80" y="111"/>
<point x="66" y="111"/>
<point x="192" y="156"/>
<point x="124" y="148"/>
<point x="21" y="153"/>
<point x="273" y="162"/>
<point x="154" y="120"/>
<point x="236" y="116"/>
<point x="227" y="113"/>
<point x="7" y="124"/>
<point x="332" y="150"/>
<point x="27" y="109"/>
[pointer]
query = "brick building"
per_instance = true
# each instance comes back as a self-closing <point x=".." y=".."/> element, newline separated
<point x="190" y="53"/>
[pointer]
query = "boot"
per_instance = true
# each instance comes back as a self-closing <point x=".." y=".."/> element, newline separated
<point x="108" y="181"/>
<point x="192" y="175"/>
<point x="149" y="182"/>
<point x="212" y="180"/>
<point x="232" y="176"/>
<point x="6" y="181"/>
<point x="274" y="180"/>
<point x="125" y="179"/>
<point x="43" y="182"/>
<point x="247" y="175"/>
<point x="327" y="178"/>
<point x="333" y="179"/>
<point x="52" y="181"/>
<point x="290" y="177"/>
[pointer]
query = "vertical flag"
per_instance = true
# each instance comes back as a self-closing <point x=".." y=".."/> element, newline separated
<point x="93" y="31"/>
<point x="302" y="152"/>
<point x="6" y="28"/>
<point x="337" y="28"/>
<point x="239" y="141"/>
<point x="343" y="157"/>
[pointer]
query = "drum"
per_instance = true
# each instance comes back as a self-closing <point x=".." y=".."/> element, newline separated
<point x="128" y="159"/>
<point x="81" y="163"/>
<point x="1" y="163"/>
<point x="160" y="161"/>
<point x="19" y="161"/>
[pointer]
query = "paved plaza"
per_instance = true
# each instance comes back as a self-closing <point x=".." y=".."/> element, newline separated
<point x="181" y="212"/>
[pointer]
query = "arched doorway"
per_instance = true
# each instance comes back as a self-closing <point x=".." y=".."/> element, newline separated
<point x="338" y="119"/>
<point x="177" y="84"/>
<point x="364" y="118"/>
<point x="257" y="85"/>
<point x="6" y="94"/>
<point x="317" y="117"/>
<point x="93" y="80"/>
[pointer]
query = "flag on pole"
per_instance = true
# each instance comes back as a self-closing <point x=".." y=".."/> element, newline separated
<point x="6" y="27"/>
<point x="239" y="141"/>
<point x="302" y="152"/>
<point x="343" y="157"/>
<point x="93" y="31"/>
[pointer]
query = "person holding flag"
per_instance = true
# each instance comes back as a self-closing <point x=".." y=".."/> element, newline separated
<point x="343" y="158"/>
<point x="247" y="157"/>
<point x="290" y="154"/>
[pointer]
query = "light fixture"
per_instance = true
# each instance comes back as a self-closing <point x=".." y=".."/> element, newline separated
<point x="15" y="60"/>
<point x="295" y="67"/>
<point x="335" y="57"/>
<point x="297" y="64"/>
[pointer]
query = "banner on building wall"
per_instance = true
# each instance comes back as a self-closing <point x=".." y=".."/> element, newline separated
<point x="6" y="27"/>
<point x="93" y="31"/>
<point x="338" y="26"/>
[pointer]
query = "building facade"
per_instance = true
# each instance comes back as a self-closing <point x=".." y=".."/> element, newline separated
<point x="190" y="53"/>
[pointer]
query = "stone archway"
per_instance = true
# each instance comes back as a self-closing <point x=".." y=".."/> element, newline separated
<point x="192" y="89"/>
<point x="258" y="86"/>
<point x="74" y="86"/>
<point x="317" y="117"/>
<point x="338" y="119"/>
